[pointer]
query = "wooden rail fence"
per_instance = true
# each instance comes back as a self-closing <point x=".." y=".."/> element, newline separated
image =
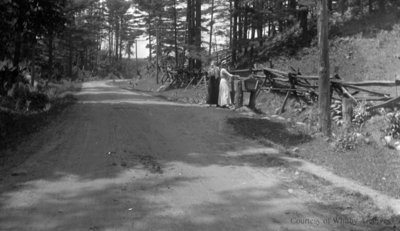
<point x="296" y="84"/>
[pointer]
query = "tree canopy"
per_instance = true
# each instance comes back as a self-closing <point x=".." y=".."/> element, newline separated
<point x="60" y="36"/>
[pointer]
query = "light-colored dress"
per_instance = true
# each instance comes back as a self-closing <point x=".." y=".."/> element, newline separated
<point x="224" y="97"/>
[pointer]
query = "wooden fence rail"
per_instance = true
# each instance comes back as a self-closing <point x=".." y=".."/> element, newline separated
<point x="299" y="85"/>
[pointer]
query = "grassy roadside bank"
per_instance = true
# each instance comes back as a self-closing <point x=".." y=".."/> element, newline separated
<point x="16" y="125"/>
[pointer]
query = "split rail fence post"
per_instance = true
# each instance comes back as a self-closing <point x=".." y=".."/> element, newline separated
<point x="347" y="111"/>
<point x="252" y="100"/>
<point x="232" y="87"/>
<point x="239" y="95"/>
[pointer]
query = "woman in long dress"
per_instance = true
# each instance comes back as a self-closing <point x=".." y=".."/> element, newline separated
<point x="224" y="97"/>
<point x="213" y="84"/>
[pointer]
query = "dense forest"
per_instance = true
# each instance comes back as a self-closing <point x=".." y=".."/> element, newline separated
<point x="63" y="39"/>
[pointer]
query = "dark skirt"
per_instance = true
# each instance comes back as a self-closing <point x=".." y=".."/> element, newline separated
<point x="213" y="90"/>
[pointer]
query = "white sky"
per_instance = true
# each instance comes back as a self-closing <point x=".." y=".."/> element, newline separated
<point x="143" y="52"/>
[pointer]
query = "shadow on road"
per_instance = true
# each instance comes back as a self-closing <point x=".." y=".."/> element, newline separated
<point x="266" y="130"/>
<point x="134" y="200"/>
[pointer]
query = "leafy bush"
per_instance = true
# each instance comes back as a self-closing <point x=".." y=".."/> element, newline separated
<point x="336" y="112"/>
<point x="37" y="102"/>
<point x="347" y="141"/>
<point x="393" y="120"/>
<point x="360" y="114"/>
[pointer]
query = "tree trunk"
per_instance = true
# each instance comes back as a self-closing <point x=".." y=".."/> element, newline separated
<point x="239" y="95"/>
<point x="260" y="24"/>
<point x="292" y="10"/>
<point x="234" y="32"/>
<point x="50" y="47"/>
<point x="110" y="43"/>
<point x="292" y="6"/>
<point x="136" y="59"/>
<point x="120" y="38"/>
<point x="149" y="32"/>
<point x="303" y="17"/>
<point x="273" y="28"/>
<point x="176" y="35"/>
<point x="324" y="83"/>
<point x="240" y="27"/>
<point x="253" y="30"/>
<point x="253" y="33"/>
<point x="342" y="6"/>
<point x="198" y="33"/>
<point x="382" y="6"/>
<point x="211" y="26"/>
<point x="189" y="37"/>
<point x="330" y="5"/>
<point x="150" y="45"/>
<point x="17" y="51"/>
<point x="70" y="56"/>
<point x="33" y="74"/>
<point x="245" y="25"/>
<point x="128" y="49"/>
<point x="116" y="38"/>
<point x="192" y="61"/>
<point x="157" y="53"/>
<point x="280" y="21"/>
<point x="18" y="39"/>
<point x="17" y="43"/>
<point x="230" y="23"/>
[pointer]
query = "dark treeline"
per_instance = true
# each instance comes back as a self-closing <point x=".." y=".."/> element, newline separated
<point x="55" y="39"/>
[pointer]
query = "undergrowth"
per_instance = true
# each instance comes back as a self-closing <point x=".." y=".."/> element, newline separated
<point x="393" y="127"/>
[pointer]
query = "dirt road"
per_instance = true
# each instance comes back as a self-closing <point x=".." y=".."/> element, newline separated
<point x="120" y="160"/>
